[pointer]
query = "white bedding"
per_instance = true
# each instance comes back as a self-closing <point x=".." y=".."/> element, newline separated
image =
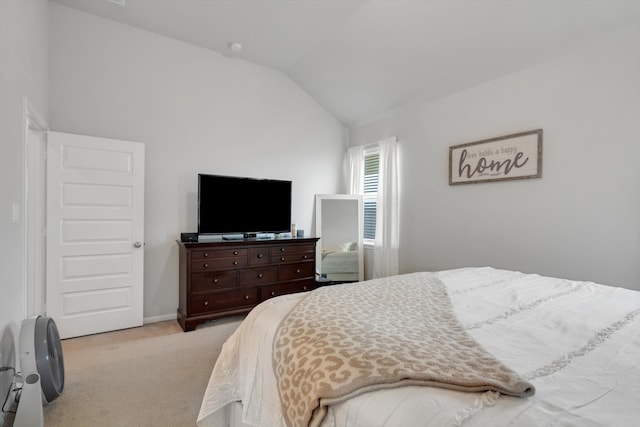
<point x="578" y="343"/>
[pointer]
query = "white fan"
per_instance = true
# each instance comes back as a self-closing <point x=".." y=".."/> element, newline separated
<point x="42" y="369"/>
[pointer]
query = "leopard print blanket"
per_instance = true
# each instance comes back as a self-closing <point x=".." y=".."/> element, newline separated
<point x="341" y="341"/>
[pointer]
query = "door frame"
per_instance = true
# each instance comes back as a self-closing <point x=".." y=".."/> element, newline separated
<point x="34" y="239"/>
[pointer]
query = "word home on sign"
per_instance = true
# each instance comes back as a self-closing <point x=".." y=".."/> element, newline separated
<point x="517" y="156"/>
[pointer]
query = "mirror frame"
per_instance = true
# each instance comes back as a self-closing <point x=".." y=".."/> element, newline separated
<point x="319" y="200"/>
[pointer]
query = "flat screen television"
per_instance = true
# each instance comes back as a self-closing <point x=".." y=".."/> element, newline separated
<point x="239" y="205"/>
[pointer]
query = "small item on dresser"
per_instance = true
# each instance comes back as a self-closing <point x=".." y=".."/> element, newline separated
<point x="265" y="235"/>
<point x="293" y="229"/>
<point x="299" y="233"/>
<point x="188" y="237"/>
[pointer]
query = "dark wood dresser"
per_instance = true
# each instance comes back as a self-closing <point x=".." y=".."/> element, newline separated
<point x="226" y="278"/>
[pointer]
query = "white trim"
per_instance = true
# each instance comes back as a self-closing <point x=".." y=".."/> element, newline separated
<point x="33" y="298"/>
<point x="371" y="149"/>
<point x="33" y="119"/>
<point x="160" y="318"/>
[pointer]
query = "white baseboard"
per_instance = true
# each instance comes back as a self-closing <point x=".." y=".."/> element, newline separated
<point x="161" y="318"/>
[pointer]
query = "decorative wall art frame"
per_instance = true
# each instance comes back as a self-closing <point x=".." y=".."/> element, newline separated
<point x="516" y="156"/>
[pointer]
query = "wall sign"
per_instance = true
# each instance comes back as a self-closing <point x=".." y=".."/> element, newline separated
<point x="517" y="156"/>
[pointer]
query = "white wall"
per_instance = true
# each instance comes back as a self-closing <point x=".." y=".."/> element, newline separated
<point x="23" y="62"/>
<point x="581" y="220"/>
<point x="196" y="111"/>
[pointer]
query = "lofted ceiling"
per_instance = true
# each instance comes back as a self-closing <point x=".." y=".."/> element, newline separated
<point x="362" y="59"/>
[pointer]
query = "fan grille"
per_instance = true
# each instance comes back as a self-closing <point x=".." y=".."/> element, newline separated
<point x="49" y="360"/>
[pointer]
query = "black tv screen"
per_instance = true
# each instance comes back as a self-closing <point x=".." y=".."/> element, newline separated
<point x="233" y="205"/>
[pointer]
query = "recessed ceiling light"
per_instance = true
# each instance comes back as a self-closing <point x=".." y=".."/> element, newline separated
<point x="234" y="47"/>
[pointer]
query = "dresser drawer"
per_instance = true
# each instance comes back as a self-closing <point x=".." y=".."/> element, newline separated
<point x="259" y="256"/>
<point x="293" y="249"/>
<point x="216" y="301"/>
<point x="217" y="264"/>
<point x="201" y="254"/>
<point x="271" y="291"/>
<point x="300" y="270"/>
<point x="258" y="275"/>
<point x="282" y="258"/>
<point x="214" y="280"/>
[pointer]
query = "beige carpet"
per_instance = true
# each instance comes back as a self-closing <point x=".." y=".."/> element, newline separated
<point x="154" y="375"/>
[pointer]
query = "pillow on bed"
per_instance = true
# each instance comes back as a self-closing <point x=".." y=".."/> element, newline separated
<point x="341" y="247"/>
<point x="349" y="246"/>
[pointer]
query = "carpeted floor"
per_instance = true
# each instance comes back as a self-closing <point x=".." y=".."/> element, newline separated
<point x="154" y="375"/>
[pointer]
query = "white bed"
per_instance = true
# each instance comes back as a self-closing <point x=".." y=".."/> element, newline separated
<point x="578" y="343"/>
<point x="341" y="266"/>
<point x="341" y="262"/>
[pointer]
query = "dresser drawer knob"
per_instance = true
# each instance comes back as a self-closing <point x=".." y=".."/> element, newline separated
<point x="282" y="259"/>
<point x="246" y="297"/>
<point x="215" y="280"/>
<point x="305" y="257"/>
<point x="273" y="293"/>
<point x="281" y="249"/>
<point x="297" y="271"/>
<point x="235" y="252"/>
<point x="206" y="254"/>
<point x="206" y="303"/>
<point x="304" y="288"/>
<point x="205" y="266"/>
<point x="259" y="275"/>
<point x="235" y="262"/>
<point x="259" y="255"/>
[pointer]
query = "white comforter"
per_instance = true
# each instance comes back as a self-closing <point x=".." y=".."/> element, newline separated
<point x="578" y="343"/>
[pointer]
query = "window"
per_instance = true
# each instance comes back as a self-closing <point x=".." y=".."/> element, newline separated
<point x="370" y="196"/>
<point x="373" y="173"/>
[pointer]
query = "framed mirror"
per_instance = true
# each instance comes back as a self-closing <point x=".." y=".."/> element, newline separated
<point x="339" y="219"/>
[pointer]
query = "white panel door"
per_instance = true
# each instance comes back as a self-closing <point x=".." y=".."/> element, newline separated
<point x="95" y="233"/>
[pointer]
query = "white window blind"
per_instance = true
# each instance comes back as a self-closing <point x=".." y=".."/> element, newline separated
<point x="370" y="196"/>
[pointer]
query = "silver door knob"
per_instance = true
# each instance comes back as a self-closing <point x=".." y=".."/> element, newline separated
<point x="137" y="245"/>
